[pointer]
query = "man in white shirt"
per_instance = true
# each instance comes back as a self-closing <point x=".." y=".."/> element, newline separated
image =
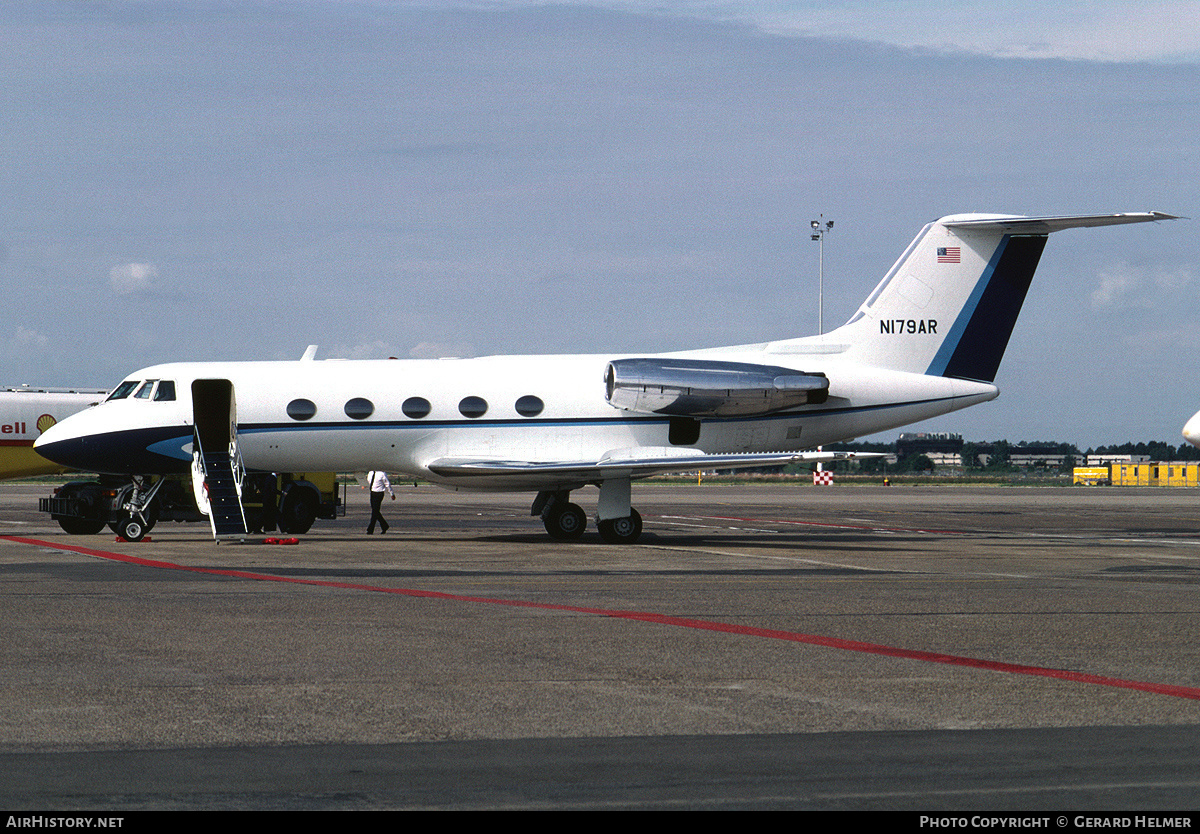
<point x="378" y="483"/>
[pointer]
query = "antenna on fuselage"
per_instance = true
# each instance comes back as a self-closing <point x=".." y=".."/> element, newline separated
<point x="309" y="354"/>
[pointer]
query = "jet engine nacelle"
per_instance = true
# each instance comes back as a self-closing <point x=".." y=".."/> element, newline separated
<point x="708" y="388"/>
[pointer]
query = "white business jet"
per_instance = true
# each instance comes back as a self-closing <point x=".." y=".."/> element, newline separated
<point x="927" y="341"/>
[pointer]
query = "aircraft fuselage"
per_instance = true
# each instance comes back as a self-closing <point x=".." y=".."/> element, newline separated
<point x="337" y="415"/>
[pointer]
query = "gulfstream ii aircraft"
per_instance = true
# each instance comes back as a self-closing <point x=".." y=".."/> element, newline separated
<point x="927" y="341"/>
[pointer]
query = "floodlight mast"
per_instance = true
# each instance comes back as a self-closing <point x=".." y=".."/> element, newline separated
<point x="820" y="228"/>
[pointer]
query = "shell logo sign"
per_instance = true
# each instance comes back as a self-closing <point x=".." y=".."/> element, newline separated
<point x="22" y="428"/>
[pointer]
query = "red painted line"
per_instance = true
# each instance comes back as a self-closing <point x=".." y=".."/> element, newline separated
<point x="660" y="619"/>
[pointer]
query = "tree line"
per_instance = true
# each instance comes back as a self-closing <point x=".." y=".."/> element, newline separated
<point x="998" y="455"/>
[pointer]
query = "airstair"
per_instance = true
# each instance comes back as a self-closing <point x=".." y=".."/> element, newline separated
<point x="217" y="471"/>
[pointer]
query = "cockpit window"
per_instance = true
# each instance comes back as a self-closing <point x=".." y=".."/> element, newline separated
<point x="165" y="392"/>
<point x="124" y="389"/>
<point x="143" y="393"/>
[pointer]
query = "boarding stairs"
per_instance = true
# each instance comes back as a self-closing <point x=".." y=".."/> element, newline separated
<point x="217" y="471"/>
<point x="222" y="475"/>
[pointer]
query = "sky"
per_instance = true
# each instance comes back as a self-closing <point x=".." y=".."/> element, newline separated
<point x="238" y="180"/>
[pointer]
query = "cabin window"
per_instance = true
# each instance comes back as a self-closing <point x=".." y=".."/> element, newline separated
<point x="359" y="408"/>
<point x="165" y="391"/>
<point x="416" y="407"/>
<point x="124" y="389"/>
<point x="301" y="409"/>
<point x="530" y="406"/>
<point x="473" y="407"/>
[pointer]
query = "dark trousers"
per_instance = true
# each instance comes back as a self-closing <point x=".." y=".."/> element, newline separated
<point x="376" y="515"/>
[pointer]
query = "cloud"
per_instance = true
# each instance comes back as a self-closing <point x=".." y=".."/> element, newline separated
<point x="378" y="349"/>
<point x="1115" y="284"/>
<point x="442" y="350"/>
<point x="1168" y="341"/>
<point x="1124" y="282"/>
<point x="1103" y="30"/>
<point x="127" y="279"/>
<point x="24" y="338"/>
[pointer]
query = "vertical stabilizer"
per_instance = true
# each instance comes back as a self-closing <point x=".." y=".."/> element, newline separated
<point x="948" y="306"/>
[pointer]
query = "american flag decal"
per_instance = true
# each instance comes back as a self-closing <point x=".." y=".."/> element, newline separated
<point x="949" y="254"/>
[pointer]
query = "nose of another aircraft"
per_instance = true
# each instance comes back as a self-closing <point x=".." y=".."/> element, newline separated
<point x="1191" y="430"/>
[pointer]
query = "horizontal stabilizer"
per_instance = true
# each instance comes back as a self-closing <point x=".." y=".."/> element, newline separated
<point x="1055" y="223"/>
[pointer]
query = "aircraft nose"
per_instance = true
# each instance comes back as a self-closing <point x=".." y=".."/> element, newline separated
<point x="1191" y="430"/>
<point x="58" y="444"/>
<point x="47" y="438"/>
<point x="98" y="441"/>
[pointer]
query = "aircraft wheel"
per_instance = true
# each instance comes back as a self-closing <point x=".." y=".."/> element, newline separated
<point x="621" y="530"/>
<point x="81" y="526"/>
<point x="133" y="529"/>
<point x="566" y="522"/>
<point x="151" y="515"/>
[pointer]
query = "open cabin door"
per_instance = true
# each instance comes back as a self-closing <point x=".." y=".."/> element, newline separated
<point x="216" y="462"/>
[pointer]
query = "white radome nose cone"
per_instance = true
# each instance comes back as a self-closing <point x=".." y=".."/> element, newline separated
<point x="1191" y="430"/>
<point x="50" y="435"/>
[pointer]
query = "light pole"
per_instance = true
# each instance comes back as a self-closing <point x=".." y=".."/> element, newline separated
<point x="820" y="228"/>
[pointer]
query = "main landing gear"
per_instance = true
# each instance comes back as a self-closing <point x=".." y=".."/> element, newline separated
<point x="621" y="530"/>
<point x="564" y="521"/>
<point x="616" y="521"/>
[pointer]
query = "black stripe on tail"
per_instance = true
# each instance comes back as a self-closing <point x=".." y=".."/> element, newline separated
<point x="990" y="324"/>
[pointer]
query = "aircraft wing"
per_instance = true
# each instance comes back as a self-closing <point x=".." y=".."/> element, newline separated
<point x="624" y="463"/>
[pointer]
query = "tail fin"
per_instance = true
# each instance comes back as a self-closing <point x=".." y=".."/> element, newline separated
<point x="948" y="306"/>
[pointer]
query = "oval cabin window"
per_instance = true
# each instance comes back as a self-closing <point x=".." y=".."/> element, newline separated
<point x="530" y="406"/>
<point x="359" y="408"/>
<point x="416" y="407"/>
<point x="301" y="409"/>
<point x="473" y="407"/>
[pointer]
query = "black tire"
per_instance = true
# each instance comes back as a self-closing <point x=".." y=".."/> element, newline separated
<point x="151" y="516"/>
<point x="133" y="529"/>
<point x="297" y="513"/>
<point x="565" y="522"/>
<point x="621" y="530"/>
<point x="83" y="497"/>
<point x="81" y="526"/>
